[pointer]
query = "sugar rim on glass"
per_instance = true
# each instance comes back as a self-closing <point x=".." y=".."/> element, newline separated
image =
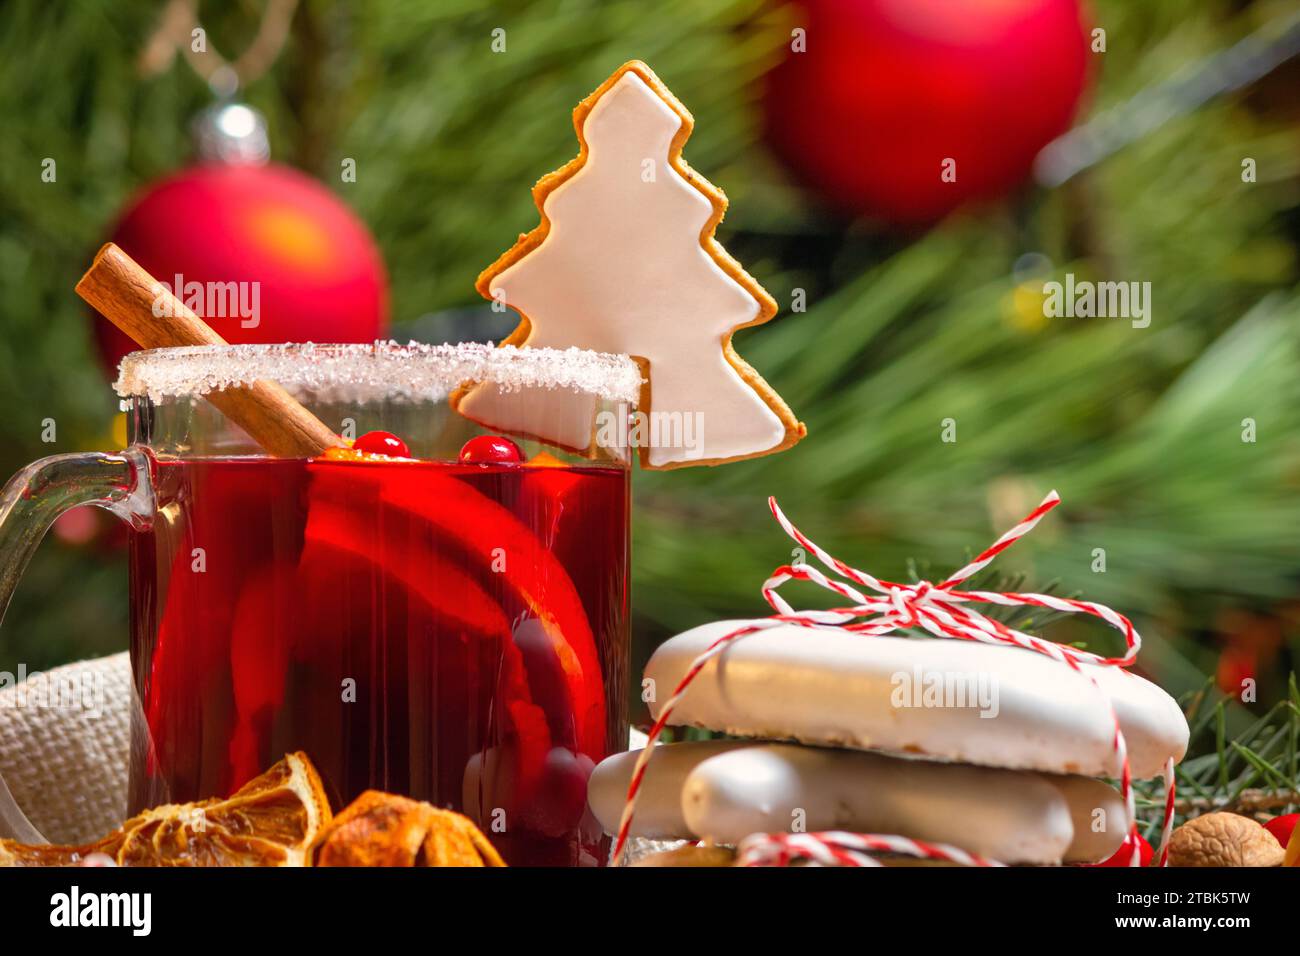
<point x="377" y="371"/>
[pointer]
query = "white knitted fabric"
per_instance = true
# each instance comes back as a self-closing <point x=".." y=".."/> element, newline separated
<point x="64" y="750"/>
<point x="66" y="766"/>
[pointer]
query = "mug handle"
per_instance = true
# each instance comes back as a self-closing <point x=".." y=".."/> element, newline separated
<point x="29" y="504"/>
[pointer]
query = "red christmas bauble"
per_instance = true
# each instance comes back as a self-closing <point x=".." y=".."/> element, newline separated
<point x="318" y="271"/>
<point x="887" y="91"/>
<point x="1282" y="827"/>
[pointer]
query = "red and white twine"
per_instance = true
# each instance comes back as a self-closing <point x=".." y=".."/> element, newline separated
<point x="836" y="848"/>
<point x="942" y="610"/>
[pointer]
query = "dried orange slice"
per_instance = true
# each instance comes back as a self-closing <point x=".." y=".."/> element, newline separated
<point x="270" y="821"/>
<point x="380" y="829"/>
<point x="351" y="454"/>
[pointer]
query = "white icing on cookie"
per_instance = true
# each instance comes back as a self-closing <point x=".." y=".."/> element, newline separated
<point x="831" y="687"/>
<point x="623" y="270"/>
<point x="1006" y="815"/>
<point x="659" y="806"/>
<point x="1097" y="813"/>
<point x="727" y="790"/>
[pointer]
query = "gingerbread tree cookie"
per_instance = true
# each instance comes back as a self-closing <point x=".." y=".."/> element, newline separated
<point x="624" y="261"/>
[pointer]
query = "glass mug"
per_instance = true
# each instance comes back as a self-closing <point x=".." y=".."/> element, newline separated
<point x="450" y="631"/>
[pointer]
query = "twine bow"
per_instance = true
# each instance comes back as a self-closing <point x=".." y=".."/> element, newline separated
<point x="939" y="608"/>
<point x="942" y="610"/>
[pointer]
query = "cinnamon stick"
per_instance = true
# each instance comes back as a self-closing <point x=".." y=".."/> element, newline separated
<point x="129" y="297"/>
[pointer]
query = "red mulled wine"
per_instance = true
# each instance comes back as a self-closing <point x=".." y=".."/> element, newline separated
<point x="454" y="632"/>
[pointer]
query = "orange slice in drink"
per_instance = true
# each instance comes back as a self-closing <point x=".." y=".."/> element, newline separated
<point x="363" y="565"/>
<point x="358" y="575"/>
<point x="485" y="532"/>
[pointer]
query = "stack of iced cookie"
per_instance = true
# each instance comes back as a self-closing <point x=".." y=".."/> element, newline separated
<point x="992" y="749"/>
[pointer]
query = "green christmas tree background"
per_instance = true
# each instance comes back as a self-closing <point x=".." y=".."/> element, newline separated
<point x="1142" y="434"/>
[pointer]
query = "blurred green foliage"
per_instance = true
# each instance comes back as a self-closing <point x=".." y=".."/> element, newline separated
<point x="1139" y="429"/>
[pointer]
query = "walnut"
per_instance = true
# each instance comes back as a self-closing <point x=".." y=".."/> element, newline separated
<point x="1223" y="839"/>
